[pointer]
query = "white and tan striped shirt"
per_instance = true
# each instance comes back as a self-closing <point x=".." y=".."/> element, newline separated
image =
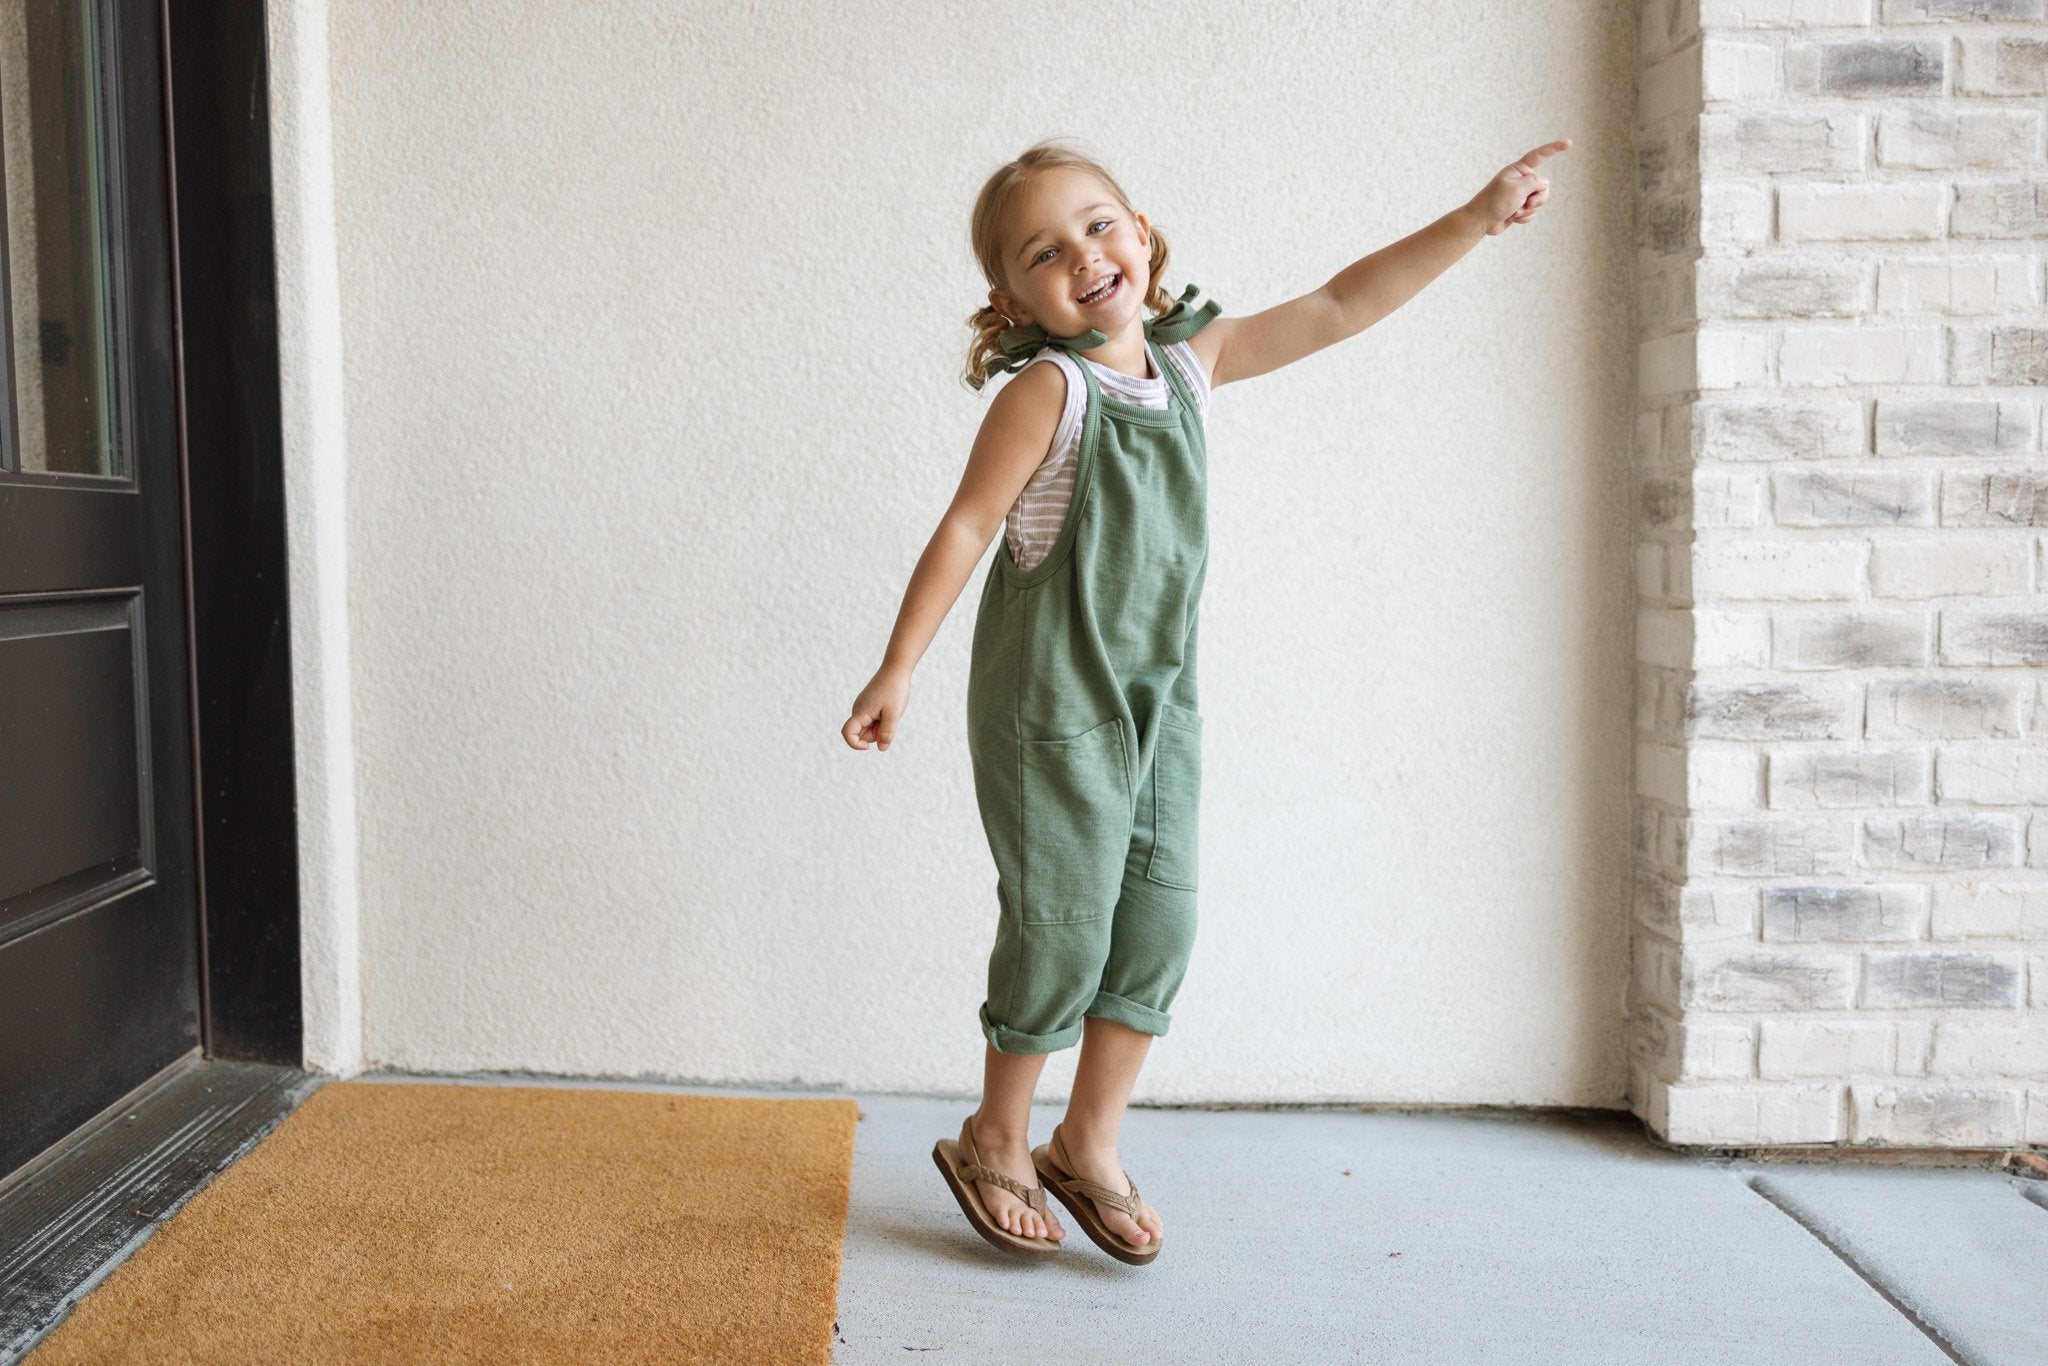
<point x="1034" y="522"/>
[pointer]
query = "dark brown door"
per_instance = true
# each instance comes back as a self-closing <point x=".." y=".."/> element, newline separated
<point x="99" y="956"/>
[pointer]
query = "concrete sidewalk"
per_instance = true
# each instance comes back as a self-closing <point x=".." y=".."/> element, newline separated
<point x="1455" y="1238"/>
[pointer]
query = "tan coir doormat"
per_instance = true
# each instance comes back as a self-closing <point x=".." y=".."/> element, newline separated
<point x="404" y="1222"/>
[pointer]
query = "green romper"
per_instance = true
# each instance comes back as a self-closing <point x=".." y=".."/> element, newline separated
<point x="1083" y="723"/>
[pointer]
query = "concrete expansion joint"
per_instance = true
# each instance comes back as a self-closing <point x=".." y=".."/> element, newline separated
<point x="1789" y="1206"/>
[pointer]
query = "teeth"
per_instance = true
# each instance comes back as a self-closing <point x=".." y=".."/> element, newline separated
<point x="1098" y="290"/>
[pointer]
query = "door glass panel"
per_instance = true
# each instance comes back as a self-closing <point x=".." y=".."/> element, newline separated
<point x="59" y="295"/>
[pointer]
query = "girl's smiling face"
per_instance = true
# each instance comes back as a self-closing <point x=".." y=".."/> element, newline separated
<point x="1074" y="257"/>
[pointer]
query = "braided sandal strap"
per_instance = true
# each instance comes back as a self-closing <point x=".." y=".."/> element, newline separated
<point x="1033" y="1196"/>
<point x="973" y="1170"/>
<point x="1103" y="1195"/>
<point x="1095" y="1190"/>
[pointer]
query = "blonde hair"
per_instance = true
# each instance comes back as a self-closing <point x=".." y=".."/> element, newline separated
<point x="984" y="356"/>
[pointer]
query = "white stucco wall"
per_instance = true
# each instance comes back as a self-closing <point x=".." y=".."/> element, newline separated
<point x="316" y="533"/>
<point x="652" y="318"/>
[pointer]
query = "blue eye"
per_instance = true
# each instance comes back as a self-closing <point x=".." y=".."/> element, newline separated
<point x="1091" y="227"/>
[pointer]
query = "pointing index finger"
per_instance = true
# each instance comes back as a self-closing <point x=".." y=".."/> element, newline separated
<point x="1535" y="156"/>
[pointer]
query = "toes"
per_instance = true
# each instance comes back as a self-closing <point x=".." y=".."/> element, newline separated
<point x="1122" y="1227"/>
<point x="1015" y="1218"/>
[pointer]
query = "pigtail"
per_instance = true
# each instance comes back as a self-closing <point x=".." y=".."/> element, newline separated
<point x="984" y="356"/>
<point x="1156" y="298"/>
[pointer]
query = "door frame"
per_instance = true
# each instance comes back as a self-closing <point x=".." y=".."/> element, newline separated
<point x="231" y="466"/>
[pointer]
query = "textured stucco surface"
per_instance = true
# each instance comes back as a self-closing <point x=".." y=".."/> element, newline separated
<point x="311" y="393"/>
<point x="653" y="317"/>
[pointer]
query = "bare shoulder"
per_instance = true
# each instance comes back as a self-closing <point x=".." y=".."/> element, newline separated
<point x="1027" y="409"/>
<point x="1015" y="438"/>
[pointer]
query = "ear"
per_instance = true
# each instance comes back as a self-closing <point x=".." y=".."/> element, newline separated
<point x="1144" y="229"/>
<point x="1005" y="305"/>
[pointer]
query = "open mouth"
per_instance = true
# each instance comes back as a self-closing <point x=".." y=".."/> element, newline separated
<point x="1102" y="293"/>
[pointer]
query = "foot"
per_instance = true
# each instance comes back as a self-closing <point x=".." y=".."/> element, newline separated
<point x="1099" y="1162"/>
<point x="1010" y="1154"/>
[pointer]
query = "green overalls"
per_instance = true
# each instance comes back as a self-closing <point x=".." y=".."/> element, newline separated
<point x="1083" y="723"/>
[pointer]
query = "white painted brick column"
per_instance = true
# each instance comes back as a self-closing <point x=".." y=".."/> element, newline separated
<point x="1841" y="809"/>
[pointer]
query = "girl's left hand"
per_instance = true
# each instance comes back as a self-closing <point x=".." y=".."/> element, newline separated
<point x="1517" y="192"/>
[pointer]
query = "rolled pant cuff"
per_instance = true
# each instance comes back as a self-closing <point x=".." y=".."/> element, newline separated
<point x="1126" y="1011"/>
<point x="1007" y="1040"/>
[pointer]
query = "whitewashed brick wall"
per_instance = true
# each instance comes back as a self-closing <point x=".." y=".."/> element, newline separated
<point x="1841" y="913"/>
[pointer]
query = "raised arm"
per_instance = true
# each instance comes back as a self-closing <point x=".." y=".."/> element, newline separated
<point x="1372" y="287"/>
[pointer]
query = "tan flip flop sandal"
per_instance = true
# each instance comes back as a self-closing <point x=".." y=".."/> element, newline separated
<point x="1055" y="1168"/>
<point x="961" y="1163"/>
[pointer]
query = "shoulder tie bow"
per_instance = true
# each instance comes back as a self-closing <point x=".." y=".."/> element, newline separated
<point x="1183" y="320"/>
<point x="1019" y="344"/>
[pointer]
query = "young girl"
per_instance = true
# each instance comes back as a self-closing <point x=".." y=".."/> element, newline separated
<point x="1084" y="724"/>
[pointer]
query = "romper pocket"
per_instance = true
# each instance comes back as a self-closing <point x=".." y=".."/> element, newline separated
<point x="1176" y="797"/>
<point x="1077" y="824"/>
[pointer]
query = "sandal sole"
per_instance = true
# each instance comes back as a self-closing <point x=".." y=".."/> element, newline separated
<point x="970" y="1205"/>
<point x="1084" y="1212"/>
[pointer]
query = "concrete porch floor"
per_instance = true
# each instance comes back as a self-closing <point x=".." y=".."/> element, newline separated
<point x="1456" y="1238"/>
<point x="1522" y="1238"/>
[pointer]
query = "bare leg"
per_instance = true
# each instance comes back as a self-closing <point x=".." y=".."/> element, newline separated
<point x="1001" y="1134"/>
<point x="1111" y="1055"/>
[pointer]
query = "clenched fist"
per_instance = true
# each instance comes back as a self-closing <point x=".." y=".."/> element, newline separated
<point x="877" y="710"/>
